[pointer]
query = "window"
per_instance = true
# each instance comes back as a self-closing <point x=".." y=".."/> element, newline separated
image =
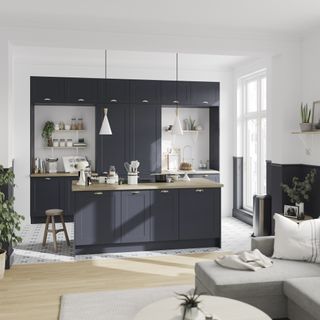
<point x="252" y="131"/>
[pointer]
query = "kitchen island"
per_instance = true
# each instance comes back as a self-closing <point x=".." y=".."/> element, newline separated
<point x="147" y="216"/>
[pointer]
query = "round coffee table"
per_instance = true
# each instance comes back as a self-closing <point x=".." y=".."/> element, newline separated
<point x="220" y="309"/>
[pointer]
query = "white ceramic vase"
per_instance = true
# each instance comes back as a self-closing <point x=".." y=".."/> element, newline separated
<point x="192" y="314"/>
<point x="305" y="127"/>
<point x="300" y="205"/>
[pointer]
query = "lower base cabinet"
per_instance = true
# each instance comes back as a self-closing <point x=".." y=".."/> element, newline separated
<point x="146" y="219"/>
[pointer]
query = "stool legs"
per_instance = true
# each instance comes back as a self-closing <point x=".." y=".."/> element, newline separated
<point x="46" y="231"/>
<point x="54" y="233"/>
<point x="65" y="230"/>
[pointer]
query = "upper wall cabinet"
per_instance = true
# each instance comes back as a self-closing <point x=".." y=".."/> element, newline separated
<point x="173" y="92"/>
<point x="145" y="91"/>
<point x="80" y="90"/>
<point x="47" y="90"/>
<point x="114" y="91"/>
<point x="205" y="93"/>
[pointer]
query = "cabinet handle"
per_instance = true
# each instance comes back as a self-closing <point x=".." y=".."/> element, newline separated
<point x="98" y="193"/>
<point x="205" y="102"/>
<point x="199" y="190"/>
<point x="81" y="100"/>
<point x="48" y="178"/>
<point x="164" y="191"/>
<point x="47" y="99"/>
<point x="145" y="101"/>
<point x="135" y="192"/>
<point x="113" y="100"/>
<point x="205" y="176"/>
<point x="176" y="101"/>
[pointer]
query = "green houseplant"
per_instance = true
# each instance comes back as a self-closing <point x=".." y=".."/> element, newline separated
<point x="47" y="131"/>
<point x="10" y="220"/>
<point x="300" y="190"/>
<point x="190" y="305"/>
<point x="305" y="124"/>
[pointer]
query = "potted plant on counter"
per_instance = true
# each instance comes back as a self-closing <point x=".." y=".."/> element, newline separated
<point x="300" y="191"/>
<point x="10" y="220"/>
<point x="305" y="124"/>
<point x="47" y="131"/>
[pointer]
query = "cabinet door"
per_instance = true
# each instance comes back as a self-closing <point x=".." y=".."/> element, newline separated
<point x="135" y="216"/>
<point x="82" y="91"/>
<point x="113" y="149"/>
<point x="145" y="91"/>
<point x="45" y="194"/>
<point x="96" y="215"/>
<point x="47" y="90"/>
<point x="114" y="91"/>
<point x="199" y="214"/>
<point x="205" y="93"/>
<point x="67" y="195"/>
<point x="175" y="92"/>
<point x="145" y="143"/>
<point x="164" y="215"/>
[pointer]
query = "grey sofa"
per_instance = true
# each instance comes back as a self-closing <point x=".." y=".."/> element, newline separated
<point x="287" y="289"/>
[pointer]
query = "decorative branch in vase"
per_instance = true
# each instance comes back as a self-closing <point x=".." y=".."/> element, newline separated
<point x="300" y="191"/>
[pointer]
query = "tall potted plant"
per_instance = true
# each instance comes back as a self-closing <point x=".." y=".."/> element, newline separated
<point x="10" y="220"/>
<point x="300" y="190"/>
<point x="47" y="131"/>
<point x="305" y="124"/>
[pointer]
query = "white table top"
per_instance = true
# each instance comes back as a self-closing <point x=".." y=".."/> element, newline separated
<point x="220" y="308"/>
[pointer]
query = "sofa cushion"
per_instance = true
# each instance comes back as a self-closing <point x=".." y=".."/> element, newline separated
<point x="305" y="292"/>
<point x="237" y="283"/>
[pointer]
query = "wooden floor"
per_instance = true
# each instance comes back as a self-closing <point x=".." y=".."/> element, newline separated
<point x="33" y="291"/>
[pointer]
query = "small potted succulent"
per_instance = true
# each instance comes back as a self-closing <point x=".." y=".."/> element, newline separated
<point x="10" y="220"/>
<point x="189" y="305"/>
<point x="305" y="124"/>
<point x="300" y="190"/>
<point x="47" y="131"/>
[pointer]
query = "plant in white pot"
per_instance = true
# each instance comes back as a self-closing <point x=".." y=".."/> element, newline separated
<point x="300" y="191"/>
<point x="305" y="124"/>
<point x="190" y="305"/>
<point x="10" y="220"/>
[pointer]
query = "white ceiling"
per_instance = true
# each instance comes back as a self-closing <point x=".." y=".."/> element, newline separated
<point x="188" y="17"/>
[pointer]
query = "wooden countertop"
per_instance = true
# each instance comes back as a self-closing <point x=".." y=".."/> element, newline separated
<point x="192" y="184"/>
<point x="58" y="174"/>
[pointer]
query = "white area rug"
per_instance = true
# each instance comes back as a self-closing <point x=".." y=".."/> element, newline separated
<point x="113" y="305"/>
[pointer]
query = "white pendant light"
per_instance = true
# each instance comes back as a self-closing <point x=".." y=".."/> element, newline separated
<point x="105" y="127"/>
<point x="177" y="127"/>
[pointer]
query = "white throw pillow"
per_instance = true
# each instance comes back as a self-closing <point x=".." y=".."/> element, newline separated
<point x="295" y="241"/>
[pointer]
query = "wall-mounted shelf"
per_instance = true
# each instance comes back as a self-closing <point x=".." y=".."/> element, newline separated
<point x="67" y="131"/>
<point x="307" y="132"/>
<point x="84" y="147"/>
<point x="186" y="131"/>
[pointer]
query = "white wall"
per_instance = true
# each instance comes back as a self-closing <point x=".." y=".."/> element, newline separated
<point x="310" y="93"/>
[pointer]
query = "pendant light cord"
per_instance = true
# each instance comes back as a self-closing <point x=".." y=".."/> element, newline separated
<point x="105" y="64"/>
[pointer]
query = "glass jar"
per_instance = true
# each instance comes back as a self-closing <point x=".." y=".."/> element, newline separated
<point x="55" y="142"/>
<point x="80" y="124"/>
<point x="73" y="124"/>
<point x="69" y="143"/>
<point x="62" y="143"/>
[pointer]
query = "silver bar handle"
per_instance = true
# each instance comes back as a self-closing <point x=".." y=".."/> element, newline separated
<point x="135" y="192"/>
<point x="176" y="101"/>
<point x="98" y="193"/>
<point x="48" y="178"/>
<point x="81" y="100"/>
<point x="205" y="175"/>
<point x="113" y="100"/>
<point x="47" y="99"/>
<point x="164" y="191"/>
<point x="145" y="101"/>
<point x="205" y="102"/>
<point x="199" y="190"/>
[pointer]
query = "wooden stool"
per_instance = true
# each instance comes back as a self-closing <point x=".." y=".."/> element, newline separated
<point x="51" y="214"/>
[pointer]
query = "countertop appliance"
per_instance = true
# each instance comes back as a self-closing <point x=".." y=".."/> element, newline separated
<point x="52" y="165"/>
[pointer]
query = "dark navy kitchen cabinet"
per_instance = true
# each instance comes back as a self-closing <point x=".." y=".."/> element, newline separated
<point x="173" y="92"/>
<point x="135" y="216"/>
<point x="114" y="91"/>
<point x="164" y="215"/>
<point x="205" y="94"/>
<point x="45" y="90"/>
<point x="96" y="218"/>
<point x="113" y="149"/>
<point x="145" y="91"/>
<point x="145" y="133"/>
<point x="81" y="90"/>
<point x="51" y="193"/>
<point x="199" y="214"/>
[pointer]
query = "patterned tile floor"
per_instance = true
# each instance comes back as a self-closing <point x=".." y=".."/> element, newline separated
<point x="235" y="237"/>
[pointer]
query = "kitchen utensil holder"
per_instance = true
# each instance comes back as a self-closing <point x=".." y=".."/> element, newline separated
<point x="132" y="178"/>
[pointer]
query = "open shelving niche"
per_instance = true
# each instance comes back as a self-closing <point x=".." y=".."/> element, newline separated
<point x="307" y="139"/>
